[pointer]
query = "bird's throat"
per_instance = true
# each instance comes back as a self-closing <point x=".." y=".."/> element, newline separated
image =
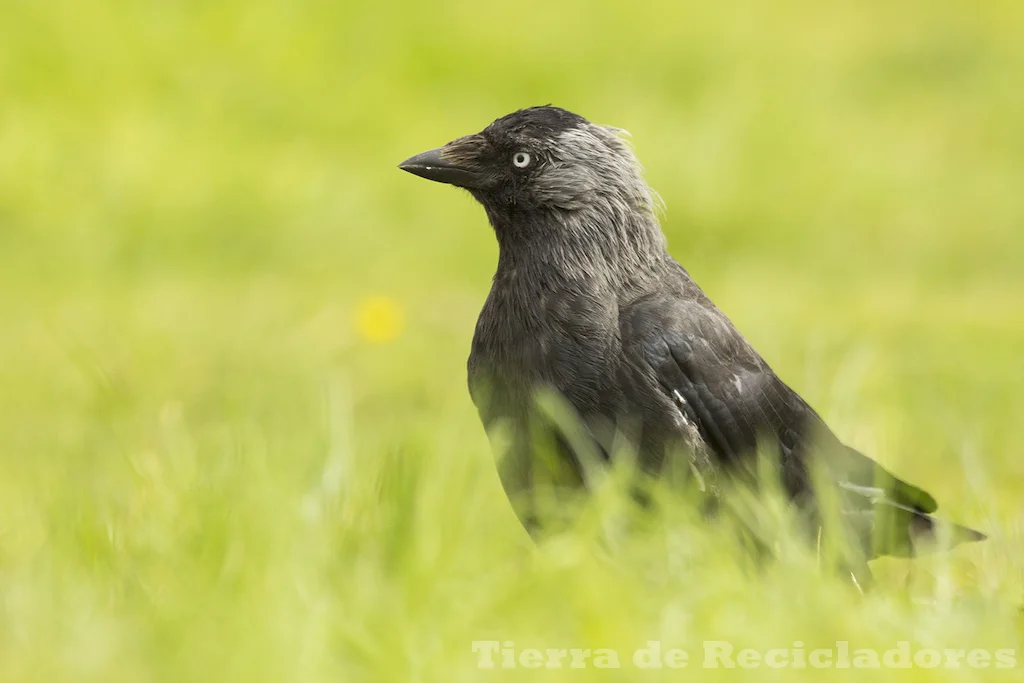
<point x="603" y="251"/>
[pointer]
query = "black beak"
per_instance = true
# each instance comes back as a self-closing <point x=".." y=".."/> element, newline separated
<point x="433" y="166"/>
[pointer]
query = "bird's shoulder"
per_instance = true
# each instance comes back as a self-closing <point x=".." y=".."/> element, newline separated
<point x="677" y="313"/>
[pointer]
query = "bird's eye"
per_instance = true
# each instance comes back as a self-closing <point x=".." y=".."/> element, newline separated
<point x="521" y="159"/>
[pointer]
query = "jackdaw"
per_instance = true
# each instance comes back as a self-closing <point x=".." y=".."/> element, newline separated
<point x="588" y="304"/>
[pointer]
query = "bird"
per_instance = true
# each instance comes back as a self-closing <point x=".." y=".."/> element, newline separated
<point x="588" y="306"/>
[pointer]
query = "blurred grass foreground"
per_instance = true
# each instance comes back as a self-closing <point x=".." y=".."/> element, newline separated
<point x="235" y="438"/>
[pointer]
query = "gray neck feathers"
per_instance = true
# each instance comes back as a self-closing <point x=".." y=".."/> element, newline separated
<point x="593" y="220"/>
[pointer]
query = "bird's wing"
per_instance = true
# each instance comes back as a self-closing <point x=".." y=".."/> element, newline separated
<point x="858" y="474"/>
<point x="707" y="369"/>
<point x="701" y="361"/>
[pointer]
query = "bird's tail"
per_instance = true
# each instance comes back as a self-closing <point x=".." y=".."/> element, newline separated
<point x="890" y="528"/>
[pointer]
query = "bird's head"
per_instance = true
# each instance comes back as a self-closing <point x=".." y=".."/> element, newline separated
<point x="540" y="160"/>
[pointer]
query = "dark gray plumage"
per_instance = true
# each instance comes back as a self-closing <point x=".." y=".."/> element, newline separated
<point x="587" y="302"/>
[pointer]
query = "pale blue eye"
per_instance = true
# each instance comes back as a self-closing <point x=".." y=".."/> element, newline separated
<point x="521" y="159"/>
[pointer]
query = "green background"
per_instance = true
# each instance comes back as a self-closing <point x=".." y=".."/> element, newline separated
<point x="208" y="473"/>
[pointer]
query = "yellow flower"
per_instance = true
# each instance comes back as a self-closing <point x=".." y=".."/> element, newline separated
<point x="379" y="319"/>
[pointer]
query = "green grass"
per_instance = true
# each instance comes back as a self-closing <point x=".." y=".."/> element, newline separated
<point x="208" y="473"/>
